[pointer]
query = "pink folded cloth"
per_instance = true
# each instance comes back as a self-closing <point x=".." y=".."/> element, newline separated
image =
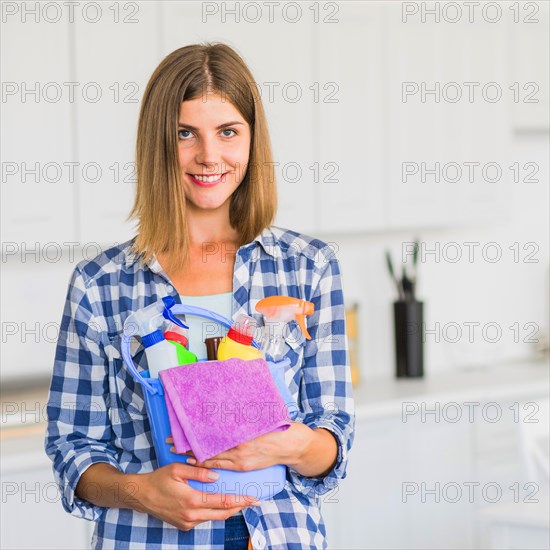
<point x="216" y="405"/>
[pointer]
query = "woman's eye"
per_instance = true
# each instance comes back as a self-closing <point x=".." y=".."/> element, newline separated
<point x="185" y="135"/>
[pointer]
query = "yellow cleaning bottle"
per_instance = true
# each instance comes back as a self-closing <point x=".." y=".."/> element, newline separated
<point x="238" y="341"/>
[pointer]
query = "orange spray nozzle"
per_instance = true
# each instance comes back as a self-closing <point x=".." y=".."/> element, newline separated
<point x="286" y="308"/>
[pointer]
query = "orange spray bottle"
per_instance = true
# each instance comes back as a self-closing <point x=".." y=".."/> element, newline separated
<point x="278" y="311"/>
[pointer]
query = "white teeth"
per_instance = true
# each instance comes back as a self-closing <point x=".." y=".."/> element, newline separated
<point x="207" y="179"/>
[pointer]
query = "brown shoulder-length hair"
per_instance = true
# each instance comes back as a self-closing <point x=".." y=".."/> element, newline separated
<point x="159" y="204"/>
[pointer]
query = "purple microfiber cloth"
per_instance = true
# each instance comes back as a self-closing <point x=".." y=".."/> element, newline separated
<point x="180" y="441"/>
<point x="214" y="406"/>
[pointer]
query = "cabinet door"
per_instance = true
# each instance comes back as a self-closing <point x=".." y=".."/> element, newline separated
<point x="368" y="504"/>
<point x="36" y="194"/>
<point x="115" y="58"/>
<point x="529" y="52"/>
<point x="279" y="54"/>
<point x="32" y="515"/>
<point x="350" y="117"/>
<point x="445" y="113"/>
<point x="439" y="463"/>
<point x="502" y="462"/>
<point x="416" y="130"/>
<point x="479" y="129"/>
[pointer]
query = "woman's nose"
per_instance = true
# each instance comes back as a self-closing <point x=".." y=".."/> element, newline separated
<point x="207" y="153"/>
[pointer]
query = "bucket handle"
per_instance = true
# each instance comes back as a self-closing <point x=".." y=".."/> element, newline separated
<point x="177" y="309"/>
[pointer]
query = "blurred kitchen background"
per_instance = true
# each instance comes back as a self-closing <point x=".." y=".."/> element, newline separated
<point x="363" y="99"/>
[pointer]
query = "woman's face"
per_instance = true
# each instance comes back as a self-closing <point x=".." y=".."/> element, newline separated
<point x="213" y="150"/>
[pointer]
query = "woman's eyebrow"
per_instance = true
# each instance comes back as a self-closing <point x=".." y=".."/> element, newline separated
<point x="233" y="123"/>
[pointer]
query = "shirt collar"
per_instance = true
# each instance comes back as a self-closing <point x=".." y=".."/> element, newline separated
<point x="266" y="239"/>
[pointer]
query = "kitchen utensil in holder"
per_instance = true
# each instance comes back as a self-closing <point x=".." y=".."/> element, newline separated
<point x="263" y="484"/>
<point x="409" y="340"/>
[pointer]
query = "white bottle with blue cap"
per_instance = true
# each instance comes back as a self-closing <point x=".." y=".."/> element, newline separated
<point x="148" y="323"/>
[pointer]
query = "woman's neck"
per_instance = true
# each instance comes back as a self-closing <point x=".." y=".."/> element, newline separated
<point x="212" y="248"/>
<point x="210" y="226"/>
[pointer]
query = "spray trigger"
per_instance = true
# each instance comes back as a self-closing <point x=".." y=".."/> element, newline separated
<point x="169" y="302"/>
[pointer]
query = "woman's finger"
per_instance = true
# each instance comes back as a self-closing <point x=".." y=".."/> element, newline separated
<point x="173" y="450"/>
<point x="213" y="515"/>
<point x="216" y="463"/>
<point x="186" y="453"/>
<point x="218" y="501"/>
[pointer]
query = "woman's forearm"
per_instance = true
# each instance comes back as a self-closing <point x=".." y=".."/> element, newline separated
<point x="317" y="452"/>
<point x="103" y="485"/>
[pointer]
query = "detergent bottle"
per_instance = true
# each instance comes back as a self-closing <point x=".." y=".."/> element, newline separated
<point x="177" y="336"/>
<point x="277" y="312"/>
<point x="148" y="323"/>
<point x="238" y="341"/>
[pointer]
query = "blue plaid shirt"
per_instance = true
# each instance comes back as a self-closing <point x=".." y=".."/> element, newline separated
<point x="96" y="411"/>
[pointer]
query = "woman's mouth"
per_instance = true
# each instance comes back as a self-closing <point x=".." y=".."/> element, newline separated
<point x="207" y="180"/>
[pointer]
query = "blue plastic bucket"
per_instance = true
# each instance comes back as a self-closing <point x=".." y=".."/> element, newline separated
<point x="263" y="484"/>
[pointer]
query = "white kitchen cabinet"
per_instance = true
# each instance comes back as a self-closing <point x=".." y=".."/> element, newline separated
<point x="480" y="131"/>
<point x="367" y="511"/>
<point x="529" y="49"/>
<point x="385" y="502"/>
<point x="415" y="131"/>
<point x="387" y="134"/>
<point x="37" y="198"/>
<point x="31" y="514"/>
<point x="500" y="467"/>
<point x="428" y="457"/>
<point x="437" y="123"/>
<point x="439" y="461"/>
<point x="340" y="127"/>
<point x="284" y="79"/>
<point x="350" y="127"/>
<point x="517" y="525"/>
<point x="107" y="114"/>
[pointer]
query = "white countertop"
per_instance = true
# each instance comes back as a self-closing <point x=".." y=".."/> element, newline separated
<point x="376" y="397"/>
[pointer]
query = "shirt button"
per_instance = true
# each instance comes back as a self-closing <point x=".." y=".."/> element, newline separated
<point x="258" y="542"/>
<point x="169" y="288"/>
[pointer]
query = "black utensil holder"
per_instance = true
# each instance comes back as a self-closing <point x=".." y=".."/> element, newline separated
<point x="409" y="348"/>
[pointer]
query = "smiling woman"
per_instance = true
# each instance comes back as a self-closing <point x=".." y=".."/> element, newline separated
<point x="205" y="203"/>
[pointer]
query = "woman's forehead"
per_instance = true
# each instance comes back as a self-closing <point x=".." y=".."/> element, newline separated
<point x="210" y="109"/>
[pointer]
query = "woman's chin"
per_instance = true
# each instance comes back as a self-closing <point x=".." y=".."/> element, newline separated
<point x="209" y="205"/>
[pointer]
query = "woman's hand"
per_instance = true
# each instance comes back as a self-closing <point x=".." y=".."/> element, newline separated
<point x="166" y="494"/>
<point x="284" y="447"/>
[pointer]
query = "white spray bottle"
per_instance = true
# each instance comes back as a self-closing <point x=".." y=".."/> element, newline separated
<point x="278" y="311"/>
<point x="148" y="323"/>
